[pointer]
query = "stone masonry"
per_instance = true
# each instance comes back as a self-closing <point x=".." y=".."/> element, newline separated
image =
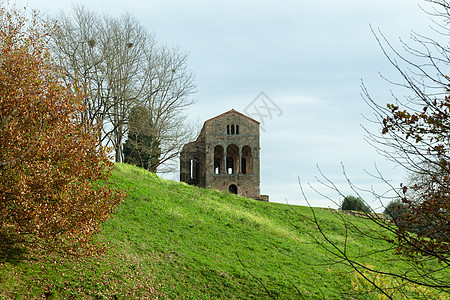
<point x="225" y="156"/>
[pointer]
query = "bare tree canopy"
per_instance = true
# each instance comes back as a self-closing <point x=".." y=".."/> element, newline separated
<point x="415" y="135"/>
<point x="122" y="66"/>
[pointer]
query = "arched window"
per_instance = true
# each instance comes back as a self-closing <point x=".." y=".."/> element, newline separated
<point x="218" y="159"/>
<point x="232" y="189"/>
<point x="230" y="165"/>
<point x="232" y="159"/>
<point x="233" y="129"/>
<point x="246" y="163"/>
<point x="216" y="166"/>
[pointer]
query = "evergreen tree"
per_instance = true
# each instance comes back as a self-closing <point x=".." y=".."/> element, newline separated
<point x="142" y="148"/>
<point x="354" y="203"/>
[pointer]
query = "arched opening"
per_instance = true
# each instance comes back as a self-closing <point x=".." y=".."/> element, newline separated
<point x="246" y="163"/>
<point x="228" y="129"/>
<point x="232" y="159"/>
<point x="237" y="129"/>
<point x="230" y="165"/>
<point x="232" y="129"/>
<point x="218" y="159"/>
<point x="232" y="189"/>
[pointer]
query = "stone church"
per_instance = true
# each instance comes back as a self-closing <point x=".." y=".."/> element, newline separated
<point x="225" y="156"/>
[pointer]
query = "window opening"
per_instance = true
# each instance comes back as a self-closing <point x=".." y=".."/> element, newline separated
<point x="218" y="159"/>
<point x="216" y="166"/>
<point x="230" y="165"/>
<point x="232" y="129"/>
<point x="228" y="129"/>
<point x="232" y="189"/>
<point x="232" y="161"/>
<point x="237" y="129"/>
<point x="246" y="164"/>
<point x="192" y="169"/>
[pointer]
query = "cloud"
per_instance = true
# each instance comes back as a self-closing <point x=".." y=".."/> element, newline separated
<point x="308" y="56"/>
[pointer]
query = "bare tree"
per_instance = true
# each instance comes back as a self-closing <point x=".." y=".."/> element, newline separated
<point x="122" y="66"/>
<point x="414" y="134"/>
<point x="167" y="91"/>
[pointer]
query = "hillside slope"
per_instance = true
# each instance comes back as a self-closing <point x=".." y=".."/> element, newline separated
<point x="204" y="244"/>
<point x="171" y="240"/>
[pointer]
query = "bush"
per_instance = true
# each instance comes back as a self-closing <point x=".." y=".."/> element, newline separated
<point x="50" y="164"/>
<point x="354" y="203"/>
<point x="395" y="210"/>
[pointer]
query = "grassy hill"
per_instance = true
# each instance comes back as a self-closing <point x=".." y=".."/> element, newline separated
<point x="171" y="240"/>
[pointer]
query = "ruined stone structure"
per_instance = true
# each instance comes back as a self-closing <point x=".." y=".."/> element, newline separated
<point x="225" y="156"/>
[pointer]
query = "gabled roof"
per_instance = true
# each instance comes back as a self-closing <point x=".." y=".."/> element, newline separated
<point x="230" y="111"/>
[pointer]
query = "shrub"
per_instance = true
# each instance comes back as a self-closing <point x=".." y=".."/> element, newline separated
<point x="50" y="166"/>
<point x="354" y="203"/>
<point x="395" y="210"/>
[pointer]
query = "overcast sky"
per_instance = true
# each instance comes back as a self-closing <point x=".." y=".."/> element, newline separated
<point x="308" y="57"/>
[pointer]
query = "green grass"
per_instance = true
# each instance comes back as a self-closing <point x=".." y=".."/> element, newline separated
<point x="171" y="240"/>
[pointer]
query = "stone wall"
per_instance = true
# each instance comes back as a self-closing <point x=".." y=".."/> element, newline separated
<point x="192" y="162"/>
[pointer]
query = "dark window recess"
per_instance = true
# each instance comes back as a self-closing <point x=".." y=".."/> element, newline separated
<point x="246" y="163"/>
<point x="216" y="166"/>
<point x="218" y="159"/>
<point x="233" y="129"/>
<point x="230" y="165"/>
<point x="232" y="189"/>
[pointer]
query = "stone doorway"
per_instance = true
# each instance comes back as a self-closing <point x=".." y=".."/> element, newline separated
<point x="232" y="189"/>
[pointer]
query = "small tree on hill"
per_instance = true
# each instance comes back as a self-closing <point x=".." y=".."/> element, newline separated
<point x="354" y="203"/>
<point x="49" y="164"/>
<point x="396" y="210"/>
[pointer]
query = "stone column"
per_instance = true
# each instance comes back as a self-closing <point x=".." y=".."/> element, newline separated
<point x="222" y="162"/>
<point x="252" y="159"/>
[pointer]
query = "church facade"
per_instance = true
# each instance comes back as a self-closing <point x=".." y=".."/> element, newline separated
<point x="225" y="156"/>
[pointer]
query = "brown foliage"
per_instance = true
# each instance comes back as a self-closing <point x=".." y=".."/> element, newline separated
<point x="428" y="196"/>
<point x="414" y="134"/>
<point x="50" y="169"/>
